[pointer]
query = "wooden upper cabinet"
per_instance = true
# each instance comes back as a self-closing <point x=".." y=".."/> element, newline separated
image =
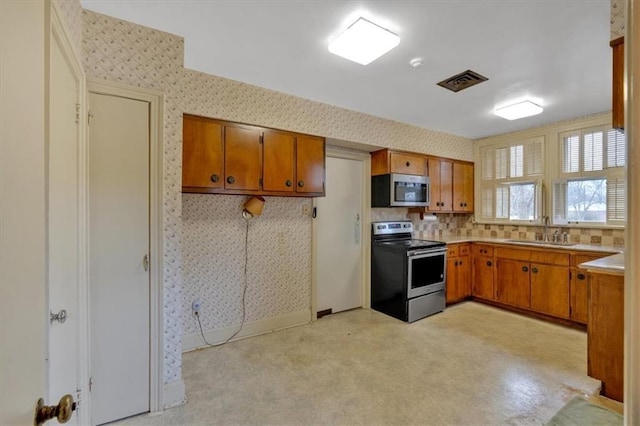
<point x="278" y="157"/>
<point x="617" y="106"/>
<point x="440" y="174"/>
<point x="242" y="158"/>
<point x="462" y="187"/>
<point x="202" y="165"/>
<point x="310" y="168"/>
<point x="230" y="158"/>
<point x="387" y="161"/>
<point x="407" y="164"/>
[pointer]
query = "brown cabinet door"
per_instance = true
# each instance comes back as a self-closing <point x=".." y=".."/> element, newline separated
<point x="446" y="186"/>
<point x="550" y="289"/>
<point x="617" y="107"/>
<point x="578" y="295"/>
<point x="464" y="276"/>
<point x="201" y="153"/>
<point x="433" y="171"/>
<point x="243" y="158"/>
<point x="310" y="166"/>
<point x="512" y="284"/>
<point x="462" y="187"/>
<point x="407" y="164"/>
<point x="278" y="161"/>
<point x="452" y="280"/>
<point x="483" y="267"/>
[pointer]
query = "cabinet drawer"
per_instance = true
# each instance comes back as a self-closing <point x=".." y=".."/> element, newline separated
<point x="452" y="250"/>
<point x="552" y="258"/>
<point x="482" y="250"/>
<point x="407" y="164"/>
<point x="515" y="254"/>
<point x="464" y="250"/>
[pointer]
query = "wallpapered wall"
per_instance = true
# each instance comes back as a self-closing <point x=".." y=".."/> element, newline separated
<point x="204" y="235"/>
<point x="618" y="18"/>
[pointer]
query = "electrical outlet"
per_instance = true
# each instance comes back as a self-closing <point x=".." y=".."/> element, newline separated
<point x="195" y="307"/>
<point x="306" y="210"/>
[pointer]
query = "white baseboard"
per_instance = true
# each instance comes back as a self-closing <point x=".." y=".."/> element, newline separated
<point x="191" y="342"/>
<point x="174" y="394"/>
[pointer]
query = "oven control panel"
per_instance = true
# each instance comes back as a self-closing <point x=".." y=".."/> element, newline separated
<point x="392" y="227"/>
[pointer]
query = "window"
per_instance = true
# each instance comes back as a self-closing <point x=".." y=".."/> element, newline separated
<point x="510" y="185"/>
<point x="591" y="187"/>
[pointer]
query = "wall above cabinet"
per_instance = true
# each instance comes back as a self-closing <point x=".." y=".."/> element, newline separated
<point x="221" y="157"/>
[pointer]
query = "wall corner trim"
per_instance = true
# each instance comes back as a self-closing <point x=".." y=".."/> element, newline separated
<point x="174" y="394"/>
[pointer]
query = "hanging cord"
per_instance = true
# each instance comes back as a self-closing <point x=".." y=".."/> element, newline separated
<point x="244" y="293"/>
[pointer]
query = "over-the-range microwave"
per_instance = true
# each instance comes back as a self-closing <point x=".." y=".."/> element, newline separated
<point x="398" y="190"/>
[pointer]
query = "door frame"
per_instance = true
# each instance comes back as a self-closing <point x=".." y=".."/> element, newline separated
<point x="365" y="159"/>
<point x="155" y="99"/>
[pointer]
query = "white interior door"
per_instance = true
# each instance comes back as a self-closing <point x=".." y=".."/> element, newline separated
<point x="339" y="222"/>
<point x="64" y="226"/>
<point x="118" y="259"/>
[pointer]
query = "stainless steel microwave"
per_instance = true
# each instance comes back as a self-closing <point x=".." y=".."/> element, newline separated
<point x="398" y="190"/>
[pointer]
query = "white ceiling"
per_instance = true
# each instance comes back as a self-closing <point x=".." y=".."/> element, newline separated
<point x="556" y="51"/>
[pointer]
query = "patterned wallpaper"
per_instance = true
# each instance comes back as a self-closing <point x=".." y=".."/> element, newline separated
<point x="618" y="18"/>
<point x="71" y="11"/>
<point x="201" y="251"/>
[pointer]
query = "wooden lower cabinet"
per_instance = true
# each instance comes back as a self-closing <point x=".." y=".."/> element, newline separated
<point x="550" y="289"/>
<point x="578" y="296"/>
<point x="458" y="273"/>
<point x="605" y="333"/>
<point x="513" y="283"/>
<point x="483" y="277"/>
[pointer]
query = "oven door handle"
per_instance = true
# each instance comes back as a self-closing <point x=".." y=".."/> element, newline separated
<point x="426" y="253"/>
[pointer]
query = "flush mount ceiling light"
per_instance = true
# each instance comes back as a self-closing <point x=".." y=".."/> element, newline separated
<point x="518" y="110"/>
<point x="364" y="42"/>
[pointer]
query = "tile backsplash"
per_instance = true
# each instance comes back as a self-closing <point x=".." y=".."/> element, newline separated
<point x="452" y="225"/>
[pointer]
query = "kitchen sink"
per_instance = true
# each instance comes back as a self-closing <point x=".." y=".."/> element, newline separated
<point x="545" y="243"/>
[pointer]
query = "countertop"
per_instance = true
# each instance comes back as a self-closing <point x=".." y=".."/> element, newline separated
<point x="609" y="265"/>
<point x="575" y="247"/>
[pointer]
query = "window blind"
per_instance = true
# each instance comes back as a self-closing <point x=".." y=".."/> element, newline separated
<point x="488" y="156"/>
<point x="516" y="162"/>
<point x="616" y="199"/>
<point x="534" y="155"/>
<point x="502" y="202"/>
<point x="571" y="153"/>
<point x="592" y="156"/>
<point x="501" y="163"/>
<point x="616" y="149"/>
<point x="560" y="202"/>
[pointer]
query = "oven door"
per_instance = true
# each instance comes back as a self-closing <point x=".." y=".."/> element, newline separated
<point x="427" y="272"/>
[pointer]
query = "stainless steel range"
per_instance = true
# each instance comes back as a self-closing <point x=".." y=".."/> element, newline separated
<point x="408" y="276"/>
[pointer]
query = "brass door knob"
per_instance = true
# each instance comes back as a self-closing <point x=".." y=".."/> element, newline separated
<point x="230" y="179"/>
<point x="288" y="183"/>
<point x="300" y="183"/>
<point x="62" y="412"/>
<point x="214" y="178"/>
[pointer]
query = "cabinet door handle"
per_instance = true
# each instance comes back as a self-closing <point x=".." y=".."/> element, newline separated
<point x="534" y="270"/>
<point x="581" y="276"/>
<point x="489" y="263"/>
<point x="461" y="205"/>
<point x="456" y="263"/>
<point x="525" y="269"/>
<point x="300" y="183"/>
<point x="214" y="178"/>
<point x="465" y="204"/>
<point x="408" y="164"/>
<point x="230" y="179"/>
<point x="288" y="183"/>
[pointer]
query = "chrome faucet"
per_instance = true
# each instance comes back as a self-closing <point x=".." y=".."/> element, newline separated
<point x="545" y="235"/>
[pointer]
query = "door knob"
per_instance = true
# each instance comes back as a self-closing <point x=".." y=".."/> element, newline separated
<point x="288" y="183"/>
<point x="300" y="183"/>
<point x="62" y="412"/>
<point x="214" y="178"/>
<point x="230" y="179"/>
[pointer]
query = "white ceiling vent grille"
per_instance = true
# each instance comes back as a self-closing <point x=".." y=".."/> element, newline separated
<point x="462" y="81"/>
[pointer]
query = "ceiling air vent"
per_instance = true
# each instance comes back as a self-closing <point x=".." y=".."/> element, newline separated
<point x="462" y="81"/>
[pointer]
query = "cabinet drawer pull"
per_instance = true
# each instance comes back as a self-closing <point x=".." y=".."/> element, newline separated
<point x="581" y="276"/>
<point x="525" y="269"/>
<point x="534" y="270"/>
<point x="456" y="263"/>
<point x="489" y="263"/>
<point x="230" y="179"/>
<point x="288" y="183"/>
<point x="300" y="183"/>
<point x="214" y="178"/>
<point x="408" y="164"/>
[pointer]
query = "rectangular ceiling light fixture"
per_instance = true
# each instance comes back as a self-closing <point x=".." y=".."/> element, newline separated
<point x="364" y="42"/>
<point x="518" y="110"/>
